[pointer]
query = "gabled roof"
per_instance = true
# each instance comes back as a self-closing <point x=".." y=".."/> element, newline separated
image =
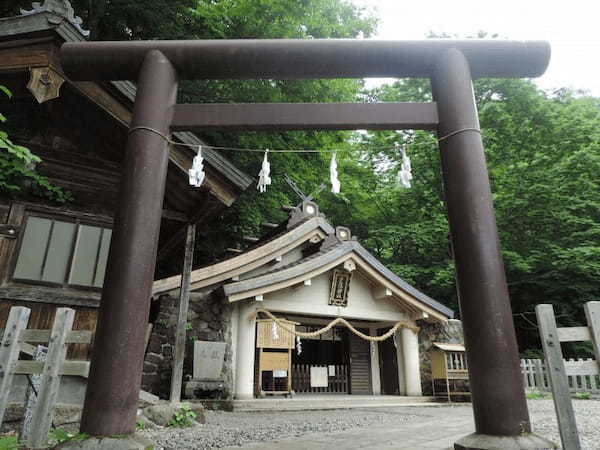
<point x="304" y="224"/>
<point x="264" y="252"/>
<point x="327" y="259"/>
<point x="43" y="23"/>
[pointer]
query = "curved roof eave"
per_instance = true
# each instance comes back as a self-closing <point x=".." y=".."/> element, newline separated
<point x="250" y="259"/>
<point x="321" y="262"/>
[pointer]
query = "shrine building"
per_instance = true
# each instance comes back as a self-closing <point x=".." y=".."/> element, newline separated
<point x="305" y="273"/>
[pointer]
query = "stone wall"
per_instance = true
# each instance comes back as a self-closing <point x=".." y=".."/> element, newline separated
<point x="450" y="332"/>
<point x="209" y="319"/>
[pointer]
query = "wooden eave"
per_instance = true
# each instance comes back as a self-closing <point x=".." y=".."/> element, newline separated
<point x="31" y="41"/>
<point x="409" y="297"/>
<point x="251" y="259"/>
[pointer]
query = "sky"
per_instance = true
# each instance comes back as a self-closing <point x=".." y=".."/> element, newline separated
<point x="571" y="27"/>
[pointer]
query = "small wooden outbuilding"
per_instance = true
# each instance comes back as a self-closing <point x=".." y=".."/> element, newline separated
<point x="449" y="369"/>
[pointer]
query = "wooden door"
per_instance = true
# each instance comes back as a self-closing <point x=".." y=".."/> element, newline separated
<point x="360" y="364"/>
<point x="388" y="366"/>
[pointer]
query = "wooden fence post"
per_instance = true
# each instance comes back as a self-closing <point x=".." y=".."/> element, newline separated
<point x="557" y="376"/>
<point x="592" y="314"/>
<point x="57" y="350"/>
<point x="9" y="352"/>
<point x="539" y="375"/>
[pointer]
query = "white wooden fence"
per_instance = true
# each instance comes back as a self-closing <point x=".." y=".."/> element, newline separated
<point x="15" y="341"/>
<point x="535" y="376"/>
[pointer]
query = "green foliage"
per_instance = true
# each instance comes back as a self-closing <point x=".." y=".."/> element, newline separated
<point x="183" y="418"/>
<point x="60" y="436"/>
<point x="9" y="443"/>
<point x="544" y="165"/>
<point x="140" y="425"/>
<point x="582" y="395"/>
<point x="543" y="152"/>
<point x="17" y="169"/>
<point x="536" y="395"/>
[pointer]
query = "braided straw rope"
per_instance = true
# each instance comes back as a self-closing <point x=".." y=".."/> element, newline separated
<point x="344" y="322"/>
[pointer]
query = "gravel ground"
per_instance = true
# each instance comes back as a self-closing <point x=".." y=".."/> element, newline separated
<point x="224" y="429"/>
<point x="587" y="414"/>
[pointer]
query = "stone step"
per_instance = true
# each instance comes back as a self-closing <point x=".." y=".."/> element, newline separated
<point x="300" y="403"/>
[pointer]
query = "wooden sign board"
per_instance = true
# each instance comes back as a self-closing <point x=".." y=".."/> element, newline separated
<point x="271" y="335"/>
<point x="274" y="361"/>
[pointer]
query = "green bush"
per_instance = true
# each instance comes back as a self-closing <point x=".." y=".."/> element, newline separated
<point x="183" y="418"/>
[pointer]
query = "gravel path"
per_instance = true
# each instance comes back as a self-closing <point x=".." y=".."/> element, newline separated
<point x="587" y="414"/>
<point x="223" y="429"/>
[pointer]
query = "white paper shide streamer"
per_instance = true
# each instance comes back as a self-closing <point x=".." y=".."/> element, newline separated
<point x="264" y="178"/>
<point x="405" y="172"/>
<point x="298" y="345"/>
<point x="274" y="332"/>
<point x="335" y="182"/>
<point x="196" y="173"/>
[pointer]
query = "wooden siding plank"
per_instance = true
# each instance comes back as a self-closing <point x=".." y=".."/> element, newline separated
<point x="573" y="334"/>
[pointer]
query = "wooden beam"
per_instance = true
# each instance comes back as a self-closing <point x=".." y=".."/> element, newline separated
<point x="304" y="116"/>
<point x="178" y="237"/>
<point x="184" y="303"/>
<point x="175" y="215"/>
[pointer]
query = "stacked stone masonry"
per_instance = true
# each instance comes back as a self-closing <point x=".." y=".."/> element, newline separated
<point x="209" y="319"/>
<point x="450" y="332"/>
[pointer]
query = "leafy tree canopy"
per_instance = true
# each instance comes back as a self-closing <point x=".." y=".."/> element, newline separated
<point x="543" y="152"/>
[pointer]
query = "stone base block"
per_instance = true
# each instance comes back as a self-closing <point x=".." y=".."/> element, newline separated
<point x="205" y="389"/>
<point x="529" y="441"/>
<point x="133" y="442"/>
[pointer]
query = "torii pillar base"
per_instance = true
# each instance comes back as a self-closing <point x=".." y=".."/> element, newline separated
<point x="526" y="441"/>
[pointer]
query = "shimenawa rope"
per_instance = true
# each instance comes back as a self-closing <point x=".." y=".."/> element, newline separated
<point x="344" y="322"/>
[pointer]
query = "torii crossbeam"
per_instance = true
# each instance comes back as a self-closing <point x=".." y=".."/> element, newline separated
<point x="500" y="408"/>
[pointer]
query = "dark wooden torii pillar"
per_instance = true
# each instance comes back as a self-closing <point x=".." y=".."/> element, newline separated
<point x="499" y="404"/>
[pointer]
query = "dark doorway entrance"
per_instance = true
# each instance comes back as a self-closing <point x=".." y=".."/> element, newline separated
<point x="360" y="364"/>
<point x="326" y="355"/>
<point x="388" y="366"/>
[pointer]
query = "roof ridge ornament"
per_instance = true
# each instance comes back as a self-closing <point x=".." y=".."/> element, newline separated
<point x="60" y="8"/>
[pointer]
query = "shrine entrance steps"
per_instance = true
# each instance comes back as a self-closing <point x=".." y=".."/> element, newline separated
<point x="320" y="402"/>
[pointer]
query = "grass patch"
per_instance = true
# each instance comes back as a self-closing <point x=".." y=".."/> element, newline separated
<point x="536" y="395"/>
<point x="582" y="395"/>
<point x="9" y="443"/>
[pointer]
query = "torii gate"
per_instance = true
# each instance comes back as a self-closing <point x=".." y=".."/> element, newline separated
<point x="497" y="387"/>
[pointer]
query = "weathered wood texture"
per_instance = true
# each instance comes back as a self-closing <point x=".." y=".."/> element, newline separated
<point x="9" y="352"/>
<point x="57" y="350"/>
<point x="558" y="377"/>
<point x="184" y="303"/>
<point x="592" y="314"/>
<point x="14" y="214"/>
<point x="42" y="318"/>
<point x="582" y="375"/>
